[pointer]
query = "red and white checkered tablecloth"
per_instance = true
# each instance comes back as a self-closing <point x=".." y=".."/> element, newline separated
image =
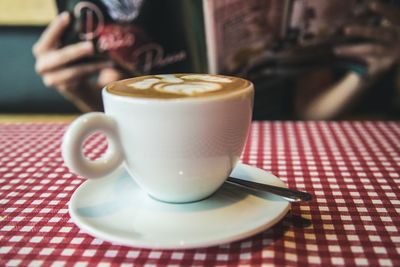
<point x="352" y="168"/>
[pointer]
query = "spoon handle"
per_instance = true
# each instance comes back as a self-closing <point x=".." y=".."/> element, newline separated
<point x="288" y="194"/>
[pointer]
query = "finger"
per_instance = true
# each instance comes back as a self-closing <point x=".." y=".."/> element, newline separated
<point x="378" y="65"/>
<point x="374" y="57"/>
<point x="58" y="58"/>
<point x="377" y="34"/>
<point x="359" y="50"/>
<point x="109" y="75"/>
<point x="71" y="74"/>
<point x="50" y="37"/>
<point x="389" y="12"/>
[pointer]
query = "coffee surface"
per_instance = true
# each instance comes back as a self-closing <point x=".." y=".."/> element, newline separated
<point x="177" y="86"/>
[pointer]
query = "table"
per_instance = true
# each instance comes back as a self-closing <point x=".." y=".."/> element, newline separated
<point x="352" y="168"/>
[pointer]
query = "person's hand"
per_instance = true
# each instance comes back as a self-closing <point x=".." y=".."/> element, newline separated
<point x="383" y="49"/>
<point x="73" y="81"/>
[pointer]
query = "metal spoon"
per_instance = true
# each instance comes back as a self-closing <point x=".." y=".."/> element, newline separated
<point x="288" y="194"/>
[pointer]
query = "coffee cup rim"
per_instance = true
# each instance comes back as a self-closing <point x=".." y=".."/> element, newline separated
<point x="207" y="98"/>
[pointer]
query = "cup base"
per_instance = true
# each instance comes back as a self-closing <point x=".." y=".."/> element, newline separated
<point x="183" y="202"/>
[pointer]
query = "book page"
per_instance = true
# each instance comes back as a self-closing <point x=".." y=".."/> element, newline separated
<point x="238" y="30"/>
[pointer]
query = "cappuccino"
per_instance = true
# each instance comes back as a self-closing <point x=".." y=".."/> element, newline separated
<point x="178" y="86"/>
<point x="179" y="136"/>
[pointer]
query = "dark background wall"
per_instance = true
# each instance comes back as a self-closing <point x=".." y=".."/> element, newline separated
<point x="22" y="90"/>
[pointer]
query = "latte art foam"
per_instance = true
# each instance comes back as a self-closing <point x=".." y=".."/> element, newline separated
<point x="177" y="85"/>
<point x="193" y="88"/>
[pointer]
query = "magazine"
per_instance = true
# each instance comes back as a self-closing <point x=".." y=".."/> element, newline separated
<point x="214" y="36"/>
<point x="158" y="36"/>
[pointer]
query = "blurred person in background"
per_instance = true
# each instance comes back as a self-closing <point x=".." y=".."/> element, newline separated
<point x="315" y="93"/>
<point x="371" y="83"/>
<point x="80" y="83"/>
<point x="335" y="60"/>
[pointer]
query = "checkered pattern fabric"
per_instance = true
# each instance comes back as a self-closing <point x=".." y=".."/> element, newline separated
<point x="352" y="168"/>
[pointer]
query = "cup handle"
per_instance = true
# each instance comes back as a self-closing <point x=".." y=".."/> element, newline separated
<point x="76" y="134"/>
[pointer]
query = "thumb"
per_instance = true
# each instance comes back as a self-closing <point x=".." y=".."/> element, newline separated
<point x="108" y="75"/>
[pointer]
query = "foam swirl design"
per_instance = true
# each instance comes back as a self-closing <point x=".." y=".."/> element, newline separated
<point x="185" y="85"/>
<point x="192" y="88"/>
<point x="178" y="86"/>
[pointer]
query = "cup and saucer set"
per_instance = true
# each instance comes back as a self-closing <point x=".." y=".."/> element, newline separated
<point x="161" y="182"/>
<point x="115" y="209"/>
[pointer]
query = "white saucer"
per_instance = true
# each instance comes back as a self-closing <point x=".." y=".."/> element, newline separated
<point x="116" y="210"/>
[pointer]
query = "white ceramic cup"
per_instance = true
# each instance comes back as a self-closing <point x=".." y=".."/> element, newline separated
<point x="177" y="150"/>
